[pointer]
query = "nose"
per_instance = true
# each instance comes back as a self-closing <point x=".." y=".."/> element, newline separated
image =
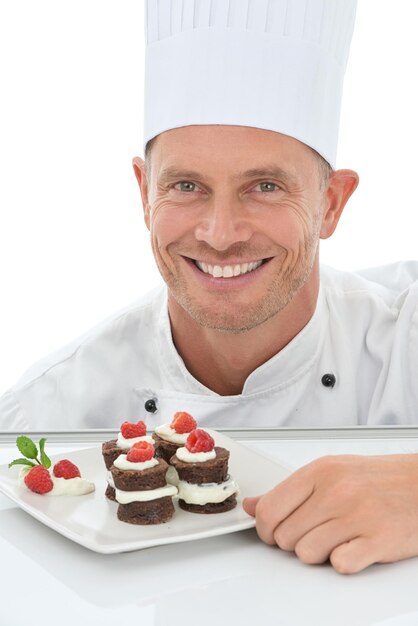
<point x="223" y="224"/>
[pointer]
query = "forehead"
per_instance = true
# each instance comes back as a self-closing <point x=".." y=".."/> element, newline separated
<point x="230" y="150"/>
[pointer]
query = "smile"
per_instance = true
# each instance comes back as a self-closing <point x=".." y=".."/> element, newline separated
<point x="228" y="271"/>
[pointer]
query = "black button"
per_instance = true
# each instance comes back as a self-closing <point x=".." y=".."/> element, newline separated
<point x="150" y="405"/>
<point x="328" y="380"/>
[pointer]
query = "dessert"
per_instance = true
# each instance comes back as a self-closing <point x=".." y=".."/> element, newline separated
<point x="204" y="485"/>
<point x="64" y="479"/>
<point x="141" y="488"/>
<point x="169" y="437"/>
<point x="129" y="434"/>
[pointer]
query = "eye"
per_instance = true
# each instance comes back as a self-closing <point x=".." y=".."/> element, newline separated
<point x="186" y="186"/>
<point x="267" y="186"/>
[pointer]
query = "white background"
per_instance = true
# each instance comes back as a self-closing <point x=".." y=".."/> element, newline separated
<point x="73" y="246"/>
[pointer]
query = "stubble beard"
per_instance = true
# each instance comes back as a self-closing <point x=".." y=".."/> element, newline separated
<point x="230" y="316"/>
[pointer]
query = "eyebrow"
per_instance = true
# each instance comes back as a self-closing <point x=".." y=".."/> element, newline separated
<point x="267" y="171"/>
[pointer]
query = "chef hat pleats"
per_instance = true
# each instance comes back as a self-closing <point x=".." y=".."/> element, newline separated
<point x="272" y="64"/>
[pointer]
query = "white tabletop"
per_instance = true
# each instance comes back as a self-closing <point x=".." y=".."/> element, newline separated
<point x="224" y="580"/>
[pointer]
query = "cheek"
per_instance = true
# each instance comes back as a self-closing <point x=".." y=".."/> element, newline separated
<point x="290" y="228"/>
<point x="167" y="225"/>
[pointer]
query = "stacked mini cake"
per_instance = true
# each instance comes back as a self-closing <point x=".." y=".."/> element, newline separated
<point x="141" y="488"/>
<point x="204" y="484"/>
<point x="143" y="479"/>
<point x="169" y="437"/>
<point x="128" y="435"/>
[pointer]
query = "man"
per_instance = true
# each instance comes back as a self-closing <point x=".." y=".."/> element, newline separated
<point x="237" y="192"/>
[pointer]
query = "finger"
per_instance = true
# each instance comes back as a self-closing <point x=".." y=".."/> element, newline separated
<point x="249" y="505"/>
<point x="277" y="504"/>
<point x="316" y="511"/>
<point x="355" y="555"/>
<point x="318" y="544"/>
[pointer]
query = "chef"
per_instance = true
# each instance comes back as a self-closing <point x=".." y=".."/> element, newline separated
<point x="238" y="186"/>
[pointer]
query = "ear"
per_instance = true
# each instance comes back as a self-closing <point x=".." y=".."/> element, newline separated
<point x="141" y="176"/>
<point x="341" y="184"/>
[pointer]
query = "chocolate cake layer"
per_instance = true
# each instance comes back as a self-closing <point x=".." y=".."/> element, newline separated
<point x="210" y="507"/>
<point x="164" y="449"/>
<point x="213" y="471"/>
<point x="145" y="513"/>
<point x="144" y="480"/>
<point x="110" y="493"/>
<point x="111" y="451"/>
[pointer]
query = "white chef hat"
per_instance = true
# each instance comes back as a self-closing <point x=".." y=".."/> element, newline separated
<point x="272" y="64"/>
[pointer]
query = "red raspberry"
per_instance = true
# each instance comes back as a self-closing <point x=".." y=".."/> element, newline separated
<point x="39" y="480"/>
<point x="130" y="430"/>
<point x="199" y="441"/>
<point x="183" y="423"/>
<point x="66" y="469"/>
<point x="140" y="452"/>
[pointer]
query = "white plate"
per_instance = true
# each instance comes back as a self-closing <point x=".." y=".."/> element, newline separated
<point x="91" y="520"/>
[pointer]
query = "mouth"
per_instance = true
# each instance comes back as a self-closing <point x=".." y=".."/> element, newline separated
<point x="232" y="270"/>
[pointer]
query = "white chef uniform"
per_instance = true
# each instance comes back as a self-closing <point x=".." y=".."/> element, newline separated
<point x="364" y="333"/>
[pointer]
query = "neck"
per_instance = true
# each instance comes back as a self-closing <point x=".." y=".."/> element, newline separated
<point x="223" y="361"/>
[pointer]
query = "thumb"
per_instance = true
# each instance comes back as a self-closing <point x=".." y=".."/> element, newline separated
<point x="249" y="505"/>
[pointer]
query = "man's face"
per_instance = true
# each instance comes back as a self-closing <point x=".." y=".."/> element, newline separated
<point x="234" y="215"/>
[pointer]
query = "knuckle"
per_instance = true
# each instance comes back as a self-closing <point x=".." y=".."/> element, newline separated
<point x="283" y="538"/>
<point x="265" y="536"/>
<point x="341" y="562"/>
<point x="262" y="512"/>
<point x="340" y="565"/>
<point x="323" y="464"/>
<point x="342" y="491"/>
<point x="308" y="553"/>
<point x="263" y="522"/>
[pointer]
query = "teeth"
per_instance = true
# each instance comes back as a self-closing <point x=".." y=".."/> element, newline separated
<point x="228" y="270"/>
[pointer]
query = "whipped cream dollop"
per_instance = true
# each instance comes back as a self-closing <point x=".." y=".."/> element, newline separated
<point x="63" y="486"/>
<point x="71" y="487"/>
<point x="126" y="497"/>
<point x="207" y="492"/>
<point x="195" y="457"/>
<point x="122" y="463"/>
<point x="125" y="444"/>
<point x="169" y="434"/>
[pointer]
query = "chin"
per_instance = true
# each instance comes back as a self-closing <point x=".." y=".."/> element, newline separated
<point x="230" y="319"/>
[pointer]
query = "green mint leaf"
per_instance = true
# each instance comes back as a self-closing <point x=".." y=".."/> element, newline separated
<point x="21" y="462"/>
<point x="27" y="447"/>
<point x="45" y="460"/>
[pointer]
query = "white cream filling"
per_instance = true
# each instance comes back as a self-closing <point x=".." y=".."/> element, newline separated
<point x="169" y="434"/>
<point x="228" y="271"/>
<point x="110" y="479"/>
<point x="126" y="497"/>
<point x="194" y="457"/>
<point x="122" y="463"/>
<point x="125" y="444"/>
<point x="206" y="493"/>
<point x="172" y="476"/>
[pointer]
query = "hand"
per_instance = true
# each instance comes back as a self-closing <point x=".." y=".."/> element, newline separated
<point x="352" y="510"/>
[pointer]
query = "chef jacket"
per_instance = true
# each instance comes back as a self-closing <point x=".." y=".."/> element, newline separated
<point x="354" y="363"/>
